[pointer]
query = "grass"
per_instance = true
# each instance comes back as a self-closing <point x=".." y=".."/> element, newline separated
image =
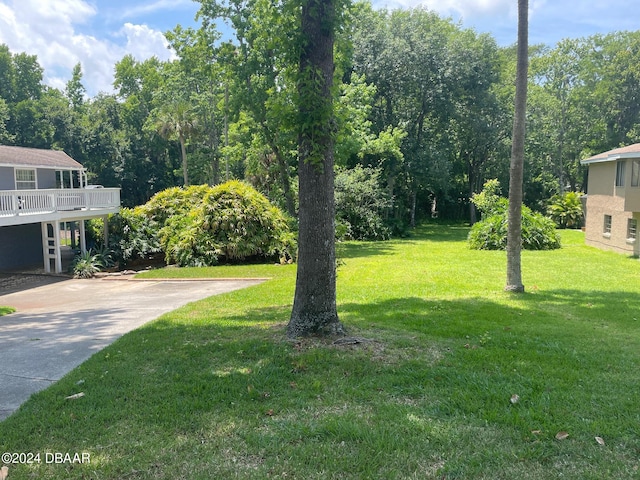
<point x="213" y="390"/>
<point x="6" y="310"/>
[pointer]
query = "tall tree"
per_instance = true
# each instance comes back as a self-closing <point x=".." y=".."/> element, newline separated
<point x="516" y="170"/>
<point x="5" y="136"/>
<point x="178" y="120"/>
<point x="74" y="90"/>
<point x="262" y="65"/>
<point x="314" y="304"/>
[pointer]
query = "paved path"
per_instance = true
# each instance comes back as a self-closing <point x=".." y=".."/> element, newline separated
<point x="60" y="325"/>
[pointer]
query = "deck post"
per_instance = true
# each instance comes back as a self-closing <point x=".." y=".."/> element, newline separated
<point x="83" y="238"/>
<point x="51" y="246"/>
<point x="105" y="231"/>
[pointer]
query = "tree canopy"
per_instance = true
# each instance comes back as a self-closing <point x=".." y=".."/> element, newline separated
<point x="422" y="101"/>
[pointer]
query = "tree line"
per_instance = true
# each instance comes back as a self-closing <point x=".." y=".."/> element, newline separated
<point x="422" y="104"/>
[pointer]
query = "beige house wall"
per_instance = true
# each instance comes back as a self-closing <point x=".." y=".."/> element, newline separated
<point x="604" y="198"/>
<point x="602" y="178"/>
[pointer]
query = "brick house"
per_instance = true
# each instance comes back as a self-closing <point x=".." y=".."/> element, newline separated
<point x="613" y="200"/>
<point x="43" y="195"/>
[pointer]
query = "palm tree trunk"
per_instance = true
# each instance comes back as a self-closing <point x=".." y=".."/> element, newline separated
<point x="183" y="151"/>
<point x="514" y="231"/>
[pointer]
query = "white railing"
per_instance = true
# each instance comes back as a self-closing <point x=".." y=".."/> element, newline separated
<point x="32" y="202"/>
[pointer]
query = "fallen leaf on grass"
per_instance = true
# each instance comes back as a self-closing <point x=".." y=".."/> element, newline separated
<point x="536" y="432"/>
<point x="600" y="440"/>
<point x="270" y="413"/>
<point x="4" y="473"/>
<point x="76" y="396"/>
<point x="561" y="435"/>
<point x="515" y="398"/>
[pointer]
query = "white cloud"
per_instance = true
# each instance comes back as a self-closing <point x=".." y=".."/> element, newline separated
<point x="458" y="9"/>
<point x="144" y="42"/>
<point x="159" y="5"/>
<point x="52" y="30"/>
<point x="472" y="8"/>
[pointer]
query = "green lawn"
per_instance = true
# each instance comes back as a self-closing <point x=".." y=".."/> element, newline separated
<point x="213" y="390"/>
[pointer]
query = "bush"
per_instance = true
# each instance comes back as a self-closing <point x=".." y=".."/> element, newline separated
<point x="172" y="202"/>
<point x="488" y="201"/>
<point x="361" y="202"/>
<point x="132" y="235"/>
<point x="87" y="265"/>
<point x="202" y="225"/>
<point x="538" y="231"/>
<point x="232" y="222"/>
<point x="566" y="210"/>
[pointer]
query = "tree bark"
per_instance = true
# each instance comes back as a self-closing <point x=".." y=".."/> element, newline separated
<point x="514" y="231"/>
<point x="314" y="305"/>
<point x="183" y="151"/>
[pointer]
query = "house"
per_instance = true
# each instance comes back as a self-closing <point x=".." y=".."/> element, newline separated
<point x="613" y="200"/>
<point x="42" y="193"/>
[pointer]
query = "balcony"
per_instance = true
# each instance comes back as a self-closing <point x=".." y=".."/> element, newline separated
<point x="19" y="207"/>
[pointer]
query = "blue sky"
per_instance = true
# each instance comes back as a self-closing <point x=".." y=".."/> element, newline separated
<point x="98" y="33"/>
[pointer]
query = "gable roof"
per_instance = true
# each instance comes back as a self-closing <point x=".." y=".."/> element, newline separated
<point x="37" y="157"/>
<point x="631" y="151"/>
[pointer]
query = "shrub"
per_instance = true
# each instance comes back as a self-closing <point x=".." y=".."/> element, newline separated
<point x="360" y="204"/>
<point x="86" y="265"/>
<point x="538" y="231"/>
<point x="566" y="210"/>
<point x="489" y="201"/>
<point x="233" y="222"/>
<point x="172" y="202"/>
<point x="132" y="235"/>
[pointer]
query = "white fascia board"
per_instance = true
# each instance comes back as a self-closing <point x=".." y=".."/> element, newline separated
<point x="611" y="158"/>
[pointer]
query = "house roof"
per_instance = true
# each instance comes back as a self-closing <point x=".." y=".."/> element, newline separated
<point x="630" y="151"/>
<point x="37" y="157"/>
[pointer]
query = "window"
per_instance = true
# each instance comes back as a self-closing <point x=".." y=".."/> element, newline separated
<point x="620" y="173"/>
<point x="607" y="225"/>
<point x="25" y="179"/>
<point x="635" y="173"/>
<point x="632" y="228"/>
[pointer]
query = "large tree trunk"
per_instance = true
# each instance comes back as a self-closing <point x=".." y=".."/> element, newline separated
<point x="514" y="232"/>
<point x="314" y="305"/>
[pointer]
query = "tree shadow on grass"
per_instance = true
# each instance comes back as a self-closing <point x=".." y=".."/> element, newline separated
<point x="363" y="249"/>
<point x="441" y="233"/>
<point x="215" y="380"/>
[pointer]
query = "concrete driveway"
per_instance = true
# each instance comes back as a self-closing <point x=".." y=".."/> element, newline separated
<point x="60" y="325"/>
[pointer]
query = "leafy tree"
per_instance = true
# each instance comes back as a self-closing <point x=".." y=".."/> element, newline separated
<point x="262" y="64"/>
<point x="148" y="163"/>
<point x="436" y="82"/>
<point x="314" y="304"/>
<point x="361" y="202"/>
<point x="75" y="91"/>
<point x="177" y="120"/>
<point x="5" y="136"/>
<point x="201" y="79"/>
<point x="7" y="74"/>
<point x="27" y="78"/>
<point x="514" y="230"/>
